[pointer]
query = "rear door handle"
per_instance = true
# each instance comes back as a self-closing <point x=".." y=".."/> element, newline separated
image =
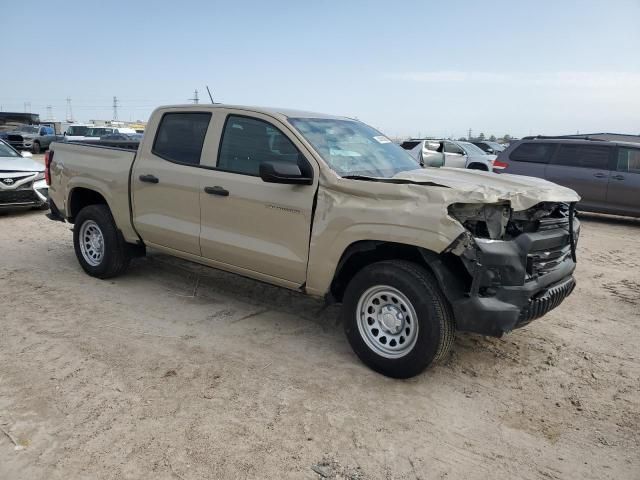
<point x="148" y="178"/>
<point x="617" y="177"/>
<point x="599" y="175"/>
<point x="223" y="192"/>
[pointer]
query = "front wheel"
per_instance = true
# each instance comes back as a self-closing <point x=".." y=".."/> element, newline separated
<point x="35" y="148"/>
<point x="99" y="246"/>
<point x="396" y="318"/>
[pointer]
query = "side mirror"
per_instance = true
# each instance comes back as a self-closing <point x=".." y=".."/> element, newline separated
<point x="26" y="154"/>
<point x="283" y="172"/>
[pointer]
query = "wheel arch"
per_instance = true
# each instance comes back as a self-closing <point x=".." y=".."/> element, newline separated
<point x="80" y="197"/>
<point x="361" y="253"/>
<point x="478" y="166"/>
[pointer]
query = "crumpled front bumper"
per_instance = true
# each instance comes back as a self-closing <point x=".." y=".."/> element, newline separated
<point x="497" y="286"/>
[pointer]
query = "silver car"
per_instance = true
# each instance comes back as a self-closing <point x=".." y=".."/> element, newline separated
<point x="451" y="153"/>
<point x="605" y="174"/>
<point x="22" y="182"/>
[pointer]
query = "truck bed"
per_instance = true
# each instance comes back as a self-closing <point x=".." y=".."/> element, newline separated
<point x="103" y="169"/>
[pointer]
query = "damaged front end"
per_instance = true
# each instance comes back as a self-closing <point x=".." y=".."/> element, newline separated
<point x="508" y="267"/>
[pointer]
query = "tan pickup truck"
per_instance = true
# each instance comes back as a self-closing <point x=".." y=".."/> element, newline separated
<point x="330" y="207"/>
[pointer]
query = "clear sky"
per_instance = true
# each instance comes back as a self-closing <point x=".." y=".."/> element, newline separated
<point x="405" y="67"/>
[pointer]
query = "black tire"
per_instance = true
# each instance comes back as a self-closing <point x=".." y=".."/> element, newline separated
<point x="436" y="328"/>
<point x="116" y="252"/>
<point x="35" y="148"/>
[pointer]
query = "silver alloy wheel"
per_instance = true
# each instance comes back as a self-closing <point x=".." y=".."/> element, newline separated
<point x="387" y="321"/>
<point x="91" y="243"/>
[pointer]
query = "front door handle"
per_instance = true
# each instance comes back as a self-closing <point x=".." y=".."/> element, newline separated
<point x="617" y="177"/>
<point x="599" y="175"/>
<point x="148" y="178"/>
<point x="223" y="192"/>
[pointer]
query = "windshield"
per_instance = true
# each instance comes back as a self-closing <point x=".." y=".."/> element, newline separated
<point x="28" y="129"/>
<point x="7" y="151"/>
<point x="496" y="146"/>
<point x="471" y="149"/>
<point x="77" y="130"/>
<point x="352" y="148"/>
<point x="98" y="132"/>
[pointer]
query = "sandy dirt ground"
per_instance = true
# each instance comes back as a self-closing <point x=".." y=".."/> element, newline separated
<point x="176" y="371"/>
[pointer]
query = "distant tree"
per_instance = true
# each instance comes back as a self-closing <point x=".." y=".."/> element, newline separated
<point x="492" y="138"/>
<point x="507" y="138"/>
<point x="481" y="137"/>
<point x="462" y="139"/>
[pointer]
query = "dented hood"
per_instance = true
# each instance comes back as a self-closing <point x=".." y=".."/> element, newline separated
<point x="487" y="187"/>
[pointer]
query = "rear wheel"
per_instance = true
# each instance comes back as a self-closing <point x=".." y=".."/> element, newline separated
<point x="396" y="318"/>
<point x="99" y="246"/>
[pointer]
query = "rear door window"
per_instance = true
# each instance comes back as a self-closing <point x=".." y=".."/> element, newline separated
<point x="180" y="137"/>
<point x="533" y="152"/>
<point x="584" y="156"/>
<point x="628" y="160"/>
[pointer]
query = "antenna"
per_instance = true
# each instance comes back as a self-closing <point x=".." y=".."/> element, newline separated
<point x="195" y="98"/>
<point x="115" y="108"/>
<point x="69" y="111"/>
<point x="210" y="96"/>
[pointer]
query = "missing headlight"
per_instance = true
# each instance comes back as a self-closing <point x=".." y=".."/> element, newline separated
<point x="482" y="220"/>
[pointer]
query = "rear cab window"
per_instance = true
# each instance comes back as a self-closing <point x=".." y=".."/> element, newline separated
<point x="180" y="137"/>
<point x="533" y="152"/>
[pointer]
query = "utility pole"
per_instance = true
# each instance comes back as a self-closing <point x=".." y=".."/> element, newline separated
<point x="195" y="98"/>
<point x="69" y="111"/>
<point x="115" y="108"/>
<point x="49" y="114"/>
<point x="27" y="107"/>
<point x="470" y="133"/>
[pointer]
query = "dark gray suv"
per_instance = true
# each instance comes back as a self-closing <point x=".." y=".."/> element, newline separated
<point x="605" y="174"/>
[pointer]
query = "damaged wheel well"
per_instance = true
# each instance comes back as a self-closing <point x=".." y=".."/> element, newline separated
<point x="365" y="252"/>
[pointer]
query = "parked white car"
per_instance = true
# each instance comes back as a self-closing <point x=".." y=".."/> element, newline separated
<point x="452" y="153"/>
<point x="77" y="131"/>
<point x="95" y="133"/>
<point x="22" y="180"/>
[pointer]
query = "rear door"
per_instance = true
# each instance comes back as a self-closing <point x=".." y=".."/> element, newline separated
<point x="248" y="224"/>
<point x="623" y="194"/>
<point x="165" y="182"/>
<point x="585" y="169"/>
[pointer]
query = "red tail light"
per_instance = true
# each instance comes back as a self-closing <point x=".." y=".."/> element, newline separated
<point x="47" y="166"/>
<point x="497" y="164"/>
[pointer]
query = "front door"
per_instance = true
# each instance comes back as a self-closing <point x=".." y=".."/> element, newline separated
<point x="454" y="156"/>
<point x="623" y="193"/>
<point x="583" y="168"/>
<point x="250" y="224"/>
<point x="165" y="183"/>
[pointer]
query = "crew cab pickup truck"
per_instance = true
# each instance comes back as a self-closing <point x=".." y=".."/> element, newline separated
<point x="329" y="207"/>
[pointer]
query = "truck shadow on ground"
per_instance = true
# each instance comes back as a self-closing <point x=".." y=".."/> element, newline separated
<point x="222" y="290"/>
